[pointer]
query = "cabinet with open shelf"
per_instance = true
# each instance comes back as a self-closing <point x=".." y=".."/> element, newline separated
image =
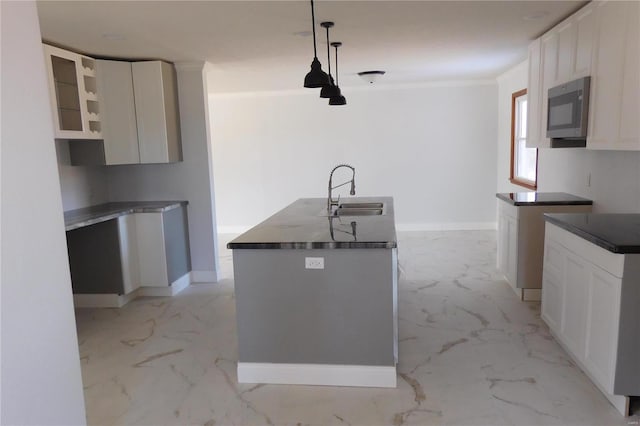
<point x="73" y="93"/>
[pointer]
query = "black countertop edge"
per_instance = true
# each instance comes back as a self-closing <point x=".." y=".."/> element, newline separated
<point x="315" y="245"/>
<point x="79" y="218"/>
<point x="543" y="199"/>
<point x="304" y="224"/>
<point x="560" y="220"/>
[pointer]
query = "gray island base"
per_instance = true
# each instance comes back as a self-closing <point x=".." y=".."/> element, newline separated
<point x="316" y="297"/>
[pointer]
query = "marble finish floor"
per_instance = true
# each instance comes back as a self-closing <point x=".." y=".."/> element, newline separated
<point x="470" y="354"/>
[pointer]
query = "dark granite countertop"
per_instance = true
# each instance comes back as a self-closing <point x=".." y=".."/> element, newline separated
<point x="543" y="199"/>
<point x="618" y="233"/>
<point x="305" y="224"/>
<point x="74" y="219"/>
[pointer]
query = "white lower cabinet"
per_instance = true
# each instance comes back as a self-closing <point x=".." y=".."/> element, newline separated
<point x="581" y="304"/>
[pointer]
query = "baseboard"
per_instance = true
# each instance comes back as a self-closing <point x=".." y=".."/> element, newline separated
<point x="103" y="300"/>
<point x="447" y="226"/>
<point x="318" y="374"/>
<point x="167" y="291"/>
<point x="204" y="277"/>
<point x="531" y="294"/>
<point x="526" y="294"/>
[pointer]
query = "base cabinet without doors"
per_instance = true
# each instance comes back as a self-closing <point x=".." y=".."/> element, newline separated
<point x="590" y="299"/>
<point x="521" y="244"/>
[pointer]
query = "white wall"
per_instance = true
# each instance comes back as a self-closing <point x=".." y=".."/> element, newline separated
<point x="80" y="186"/>
<point x="191" y="179"/>
<point x="40" y="368"/>
<point x="433" y="148"/>
<point x="615" y="176"/>
<point x="511" y="81"/>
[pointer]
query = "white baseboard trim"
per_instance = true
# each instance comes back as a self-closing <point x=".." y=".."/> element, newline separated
<point x="204" y="277"/>
<point x="166" y="291"/>
<point x="102" y="300"/>
<point x="447" y="226"/>
<point x="317" y="374"/>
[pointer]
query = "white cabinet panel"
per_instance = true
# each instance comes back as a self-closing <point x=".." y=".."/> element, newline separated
<point x="129" y="252"/>
<point x="152" y="250"/>
<point x="156" y="112"/>
<point x="574" y="306"/>
<point x="629" y="122"/>
<point x="602" y="326"/>
<point x="552" y="299"/>
<point x="567" y="34"/>
<point x="534" y="97"/>
<point x="615" y="84"/>
<point x="115" y="88"/>
<point x="584" y="24"/>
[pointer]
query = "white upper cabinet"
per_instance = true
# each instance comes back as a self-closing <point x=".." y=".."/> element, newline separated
<point x="601" y="40"/>
<point x="140" y="112"/>
<point x="615" y="80"/>
<point x="156" y="97"/>
<point x="119" y="130"/>
<point x="74" y="101"/>
<point x="534" y="97"/>
<point x="560" y="55"/>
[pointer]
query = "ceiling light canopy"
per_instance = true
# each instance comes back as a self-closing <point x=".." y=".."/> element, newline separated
<point x="371" y="76"/>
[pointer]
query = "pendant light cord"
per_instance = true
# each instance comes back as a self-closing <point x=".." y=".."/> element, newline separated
<point x="313" y="26"/>
<point x="328" y="53"/>
<point x="337" y="82"/>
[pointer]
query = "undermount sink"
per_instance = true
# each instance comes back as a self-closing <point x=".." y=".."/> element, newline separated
<point x="360" y="211"/>
<point x="361" y="206"/>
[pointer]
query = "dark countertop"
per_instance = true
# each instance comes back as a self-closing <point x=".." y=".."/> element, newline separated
<point x="305" y="224"/>
<point x="74" y="219"/>
<point x="543" y="199"/>
<point x="618" y="233"/>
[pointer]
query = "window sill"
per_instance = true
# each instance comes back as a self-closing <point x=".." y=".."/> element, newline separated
<point x="524" y="183"/>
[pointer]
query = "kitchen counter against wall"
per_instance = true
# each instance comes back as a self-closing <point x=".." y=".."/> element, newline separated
<point x="617" y="233"/>
<point x="74" y="219"/>
<point x="121" y="250"/>
<point x="521" y="235"/>
<point x="543" y="199"/>
<point x="590" y="297"/>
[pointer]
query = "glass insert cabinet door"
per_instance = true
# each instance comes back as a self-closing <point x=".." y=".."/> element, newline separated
<point x="73" y="94"/>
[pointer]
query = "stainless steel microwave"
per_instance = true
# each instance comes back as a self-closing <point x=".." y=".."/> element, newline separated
<point x="567" y="113"/>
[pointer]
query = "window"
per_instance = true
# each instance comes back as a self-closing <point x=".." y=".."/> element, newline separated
<point x="524" y="161"/>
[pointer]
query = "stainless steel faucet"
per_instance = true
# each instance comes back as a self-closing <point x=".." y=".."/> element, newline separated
<point x="330" y="201"/>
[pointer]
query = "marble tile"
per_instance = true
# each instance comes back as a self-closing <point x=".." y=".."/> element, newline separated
<point x="470" y="353"/>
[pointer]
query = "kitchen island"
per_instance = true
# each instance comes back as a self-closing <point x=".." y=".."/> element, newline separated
<point x="316" y="296"/>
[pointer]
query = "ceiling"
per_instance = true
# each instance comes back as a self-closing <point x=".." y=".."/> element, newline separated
<point x="267" y="46"/>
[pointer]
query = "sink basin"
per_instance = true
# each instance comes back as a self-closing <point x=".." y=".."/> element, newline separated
<point x="361" y="206"/>
<point x="351" y="211"/>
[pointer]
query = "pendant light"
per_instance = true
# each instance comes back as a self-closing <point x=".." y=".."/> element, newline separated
<point x="316" y="77"/>
<point x="328" y="90"/>
<point x="338" y="99"/>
